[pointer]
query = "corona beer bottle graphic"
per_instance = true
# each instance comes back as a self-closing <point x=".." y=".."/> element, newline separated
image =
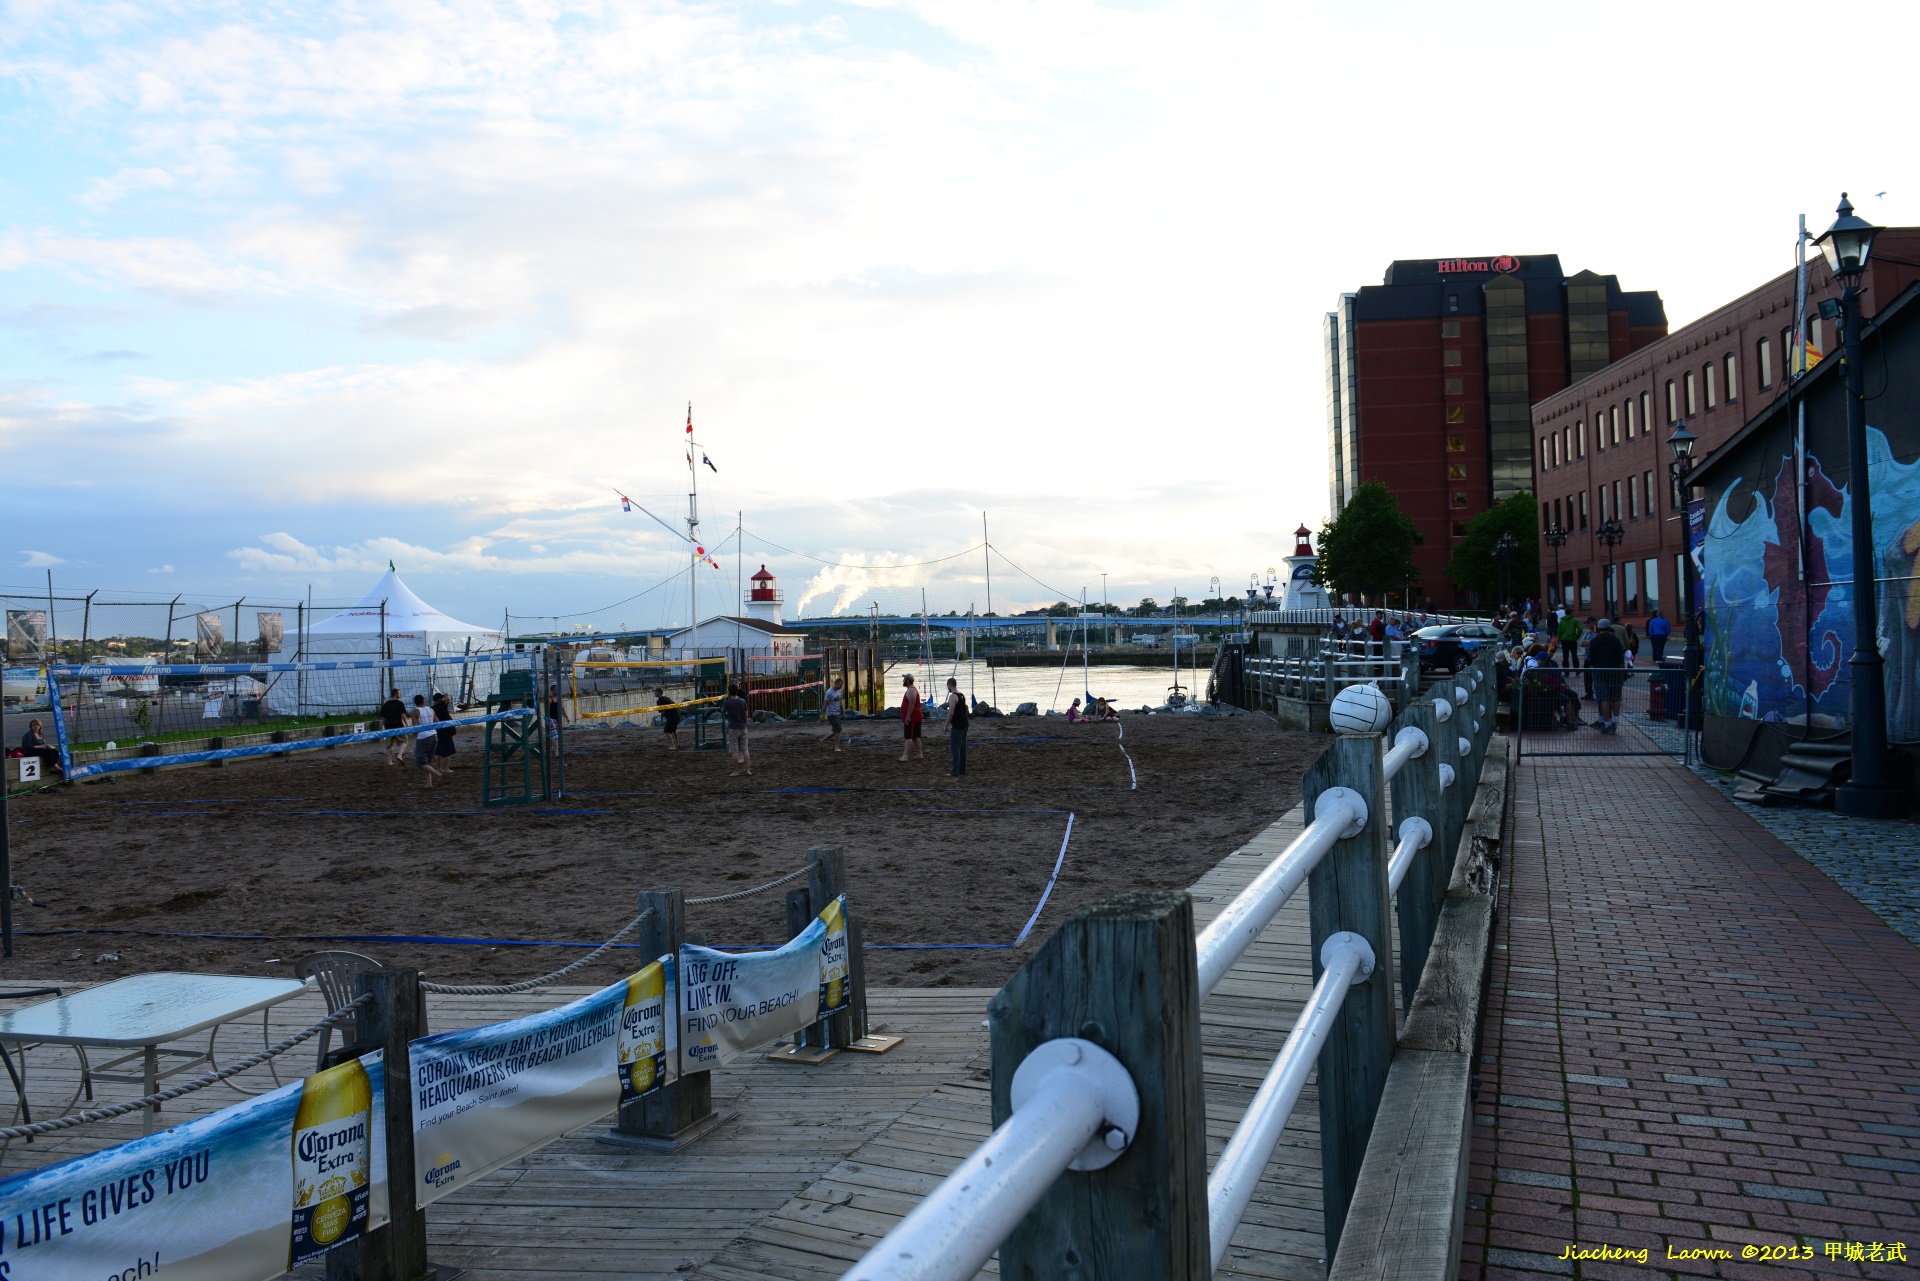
<point x="332" y="1160"/>
<point x="833" y="956"/>
<point x="643" y="1034"/>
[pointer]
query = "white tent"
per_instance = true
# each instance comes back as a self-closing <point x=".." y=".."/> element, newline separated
<point x="388" y="622"/>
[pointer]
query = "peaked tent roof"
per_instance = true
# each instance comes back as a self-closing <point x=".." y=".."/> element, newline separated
<point x="404" y="613"/>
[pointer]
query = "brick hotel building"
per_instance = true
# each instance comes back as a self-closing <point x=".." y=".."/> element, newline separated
<point x="1432" y="373"/>
<point x="1600" y="446"/>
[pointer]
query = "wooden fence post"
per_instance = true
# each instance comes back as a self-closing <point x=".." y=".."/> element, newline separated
<point x="1348" y="892"/>
<point x="826" y="881"/>
<point x="1417" y="794"/>
<point x="397" y="1252"/>
<point x="1121" y="974"/>
<point x="670" y="1118"/>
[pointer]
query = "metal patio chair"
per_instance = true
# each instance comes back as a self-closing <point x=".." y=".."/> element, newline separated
<point x="334" y="973"/>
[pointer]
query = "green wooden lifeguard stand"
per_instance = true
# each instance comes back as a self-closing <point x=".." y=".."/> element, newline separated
<point x="514" y="769"/>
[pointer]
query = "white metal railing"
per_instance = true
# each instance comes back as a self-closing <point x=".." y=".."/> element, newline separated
<point x="1345" y="959"/>
<point x="1074" y="1108"/>
<point x="1074" y="1105"/>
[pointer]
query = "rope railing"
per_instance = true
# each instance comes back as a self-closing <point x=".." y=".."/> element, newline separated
<point x="185" y="1087"/>
<point x="545" y="980"/>
<point x="794" y="875"/>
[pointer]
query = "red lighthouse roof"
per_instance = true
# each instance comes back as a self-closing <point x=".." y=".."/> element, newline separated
<point x="1300" y="545"/>
<point x="762" y="586"/>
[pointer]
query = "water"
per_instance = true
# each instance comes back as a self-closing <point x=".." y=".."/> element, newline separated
<point x="1008" y="687"/>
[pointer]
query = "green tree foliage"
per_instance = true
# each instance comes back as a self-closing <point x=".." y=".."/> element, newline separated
<point x="1473" y="566"/>
<point x="1368" y="548"/>
<point x="1146" y="608"/>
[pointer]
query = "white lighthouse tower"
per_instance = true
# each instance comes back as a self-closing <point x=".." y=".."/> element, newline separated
<point x="1301" y="592"/>
<point x="763" y="598"/>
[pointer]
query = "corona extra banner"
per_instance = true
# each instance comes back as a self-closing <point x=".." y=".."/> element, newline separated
<point x="730" y="1003"/>
<point x="242" y="1195"/>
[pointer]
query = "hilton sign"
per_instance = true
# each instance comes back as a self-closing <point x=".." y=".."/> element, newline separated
<point x="1471" y="266"/>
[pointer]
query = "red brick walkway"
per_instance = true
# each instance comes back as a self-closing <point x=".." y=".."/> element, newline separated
<point x="1694" y="1041"/>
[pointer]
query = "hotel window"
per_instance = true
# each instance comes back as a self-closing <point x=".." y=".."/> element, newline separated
<point x="1614" y="416"/>
<point x="1546" y="510"/>
<point x="1733" y="379"/>
<point x="1646" y="405"/>
<point x="1580" y="434"/>
<point x="1633" y="501"/>
<point x="1450" y="357"/>
<point x="1456" y="471"/>
<point x="1786" y="349"/>
<point x="1632" y="569"/>
<point x="1763" y="353"/>
<point x="1566" y="444"/>
<point x="1600" y="504"/>
<point x="1453" y="302"/>
<point x="1449" y="329"/>
<point x="1459" y="498"/>
<point x="1554" y="448"/>
<point x="1646" y="491"/>
<point x="1583" y="509"/>
<point x="1459" y="529"/>
<point x="1616" y="500"/>
<point x="1706" y="374"/>
<point x="1456" y="387"/>
<point x="1693" y="395"/>
<point x="1456" y="444"/>
<point x="1673" y="404"/>
<point x="1456" y="413"/>
<point x="1650" y="589"/>
<point x="1544" y="463"/>
<point x="1586" y="590"/>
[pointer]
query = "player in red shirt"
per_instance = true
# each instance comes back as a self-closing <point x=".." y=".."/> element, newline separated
<point x="910" y="718"/>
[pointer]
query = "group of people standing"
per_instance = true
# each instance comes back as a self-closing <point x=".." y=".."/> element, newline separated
<point x="913" y="715"/>
<point x="1601" y="649"/>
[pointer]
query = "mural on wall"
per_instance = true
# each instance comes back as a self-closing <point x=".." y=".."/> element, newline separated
<point x="1778" y="642"/>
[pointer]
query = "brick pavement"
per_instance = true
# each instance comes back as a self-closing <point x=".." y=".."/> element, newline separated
<point x="1694" y="1041"/>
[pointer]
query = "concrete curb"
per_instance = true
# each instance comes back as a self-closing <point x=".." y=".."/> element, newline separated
<point x="1410" y="1204"/>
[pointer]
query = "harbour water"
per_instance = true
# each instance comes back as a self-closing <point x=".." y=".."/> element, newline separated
<point x="1052" y="688"/>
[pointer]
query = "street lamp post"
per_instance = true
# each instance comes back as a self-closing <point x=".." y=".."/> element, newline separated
<point x="1871" y="793"/>
<point x="1557" y="538"/>
<point x="1503" y="549"/>
<point x="1611" y="534"/>
<point x="1693" y="656"/>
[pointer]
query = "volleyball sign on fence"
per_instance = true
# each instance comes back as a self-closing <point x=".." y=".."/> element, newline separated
<point x="242" y="1195"/>
<point x="730" y="1003"/>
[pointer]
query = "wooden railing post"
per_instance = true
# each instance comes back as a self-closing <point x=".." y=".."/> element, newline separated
<point x="398" y="1251"/>
<point x="669" y="1118"/>
<point x="1347" y="892"/>
<point x="1417" y="794"/>
<point x="1121" y="974"/>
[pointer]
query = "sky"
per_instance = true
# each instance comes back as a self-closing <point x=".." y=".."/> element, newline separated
<point x="291" y="291"/>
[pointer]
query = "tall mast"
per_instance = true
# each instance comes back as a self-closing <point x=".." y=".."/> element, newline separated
<point x="693" y="543"/>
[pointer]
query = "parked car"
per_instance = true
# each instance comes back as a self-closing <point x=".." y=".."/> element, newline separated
<point x="1450" y="646"/>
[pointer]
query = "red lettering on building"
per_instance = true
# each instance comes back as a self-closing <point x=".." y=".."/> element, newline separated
<point x="1471" y="266"/>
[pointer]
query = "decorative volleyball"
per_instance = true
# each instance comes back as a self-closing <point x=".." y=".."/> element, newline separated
<point x="1360" y="709"/>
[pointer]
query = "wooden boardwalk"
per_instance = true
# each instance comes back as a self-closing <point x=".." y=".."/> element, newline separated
<point x="821" y="1231"/>
<point x="821" y="1161"/>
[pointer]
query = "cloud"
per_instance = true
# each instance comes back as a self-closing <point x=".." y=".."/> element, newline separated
<point x="161" y="569"/>
<point x="40" y="560"/>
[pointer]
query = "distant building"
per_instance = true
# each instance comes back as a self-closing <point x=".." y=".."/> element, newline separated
<point x="1431" y="375"/>
<point x="759" y="631"/>
<point x="1600" y="446"/>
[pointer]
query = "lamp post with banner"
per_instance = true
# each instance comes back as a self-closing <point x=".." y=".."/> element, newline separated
<point x="1556" y="538"/>
<point x="1871" y="792"/>
<point x="1681" y="444"/>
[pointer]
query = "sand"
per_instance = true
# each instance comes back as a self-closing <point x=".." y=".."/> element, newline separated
<point x="931" y="860"/>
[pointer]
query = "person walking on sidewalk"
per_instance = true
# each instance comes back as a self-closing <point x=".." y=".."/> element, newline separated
<point x="957" y="718"/>
<point x="1606" y="660"/>
<point x="910" y="718"/>
<point x="1658" y="629"/>
<point x="734" y="708"/>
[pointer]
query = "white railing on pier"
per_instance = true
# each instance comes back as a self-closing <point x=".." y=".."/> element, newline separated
<point x="1074" y="1106"/>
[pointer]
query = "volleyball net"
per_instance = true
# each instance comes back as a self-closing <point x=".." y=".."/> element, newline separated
<point x="113" y="717"/>
<point x="605" y="688"/>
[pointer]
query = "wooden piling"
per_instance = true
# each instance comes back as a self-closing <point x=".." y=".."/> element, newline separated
<point x="1121" y="974"/>
<point x="1348" y="893"/>
<point x="398" y="1251"/>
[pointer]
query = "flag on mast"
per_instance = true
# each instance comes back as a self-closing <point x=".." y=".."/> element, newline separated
<point x="709" y="462"/>
<point x="689" y="418"/>
<point x="626" y="504"/>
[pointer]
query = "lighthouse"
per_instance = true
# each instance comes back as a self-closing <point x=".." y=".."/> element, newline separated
<point x="763" y="598"/>
<point x="1301" y="592"/>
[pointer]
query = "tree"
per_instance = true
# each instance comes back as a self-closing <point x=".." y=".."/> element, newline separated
<point x="1146" y="608"/>
<point x="1473" y="566"/>
<point x="1368" y="548"/>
